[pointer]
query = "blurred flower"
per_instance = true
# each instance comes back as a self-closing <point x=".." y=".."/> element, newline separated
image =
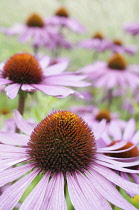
<point x="36" y="29"/>
<point x="62" y="150"/>
<point x="132" y="28"/>
<point x="23" y="72"/>
<point x="92" y="115"/>
<point x="118" y="47"/>
<point x="124" y="148"/>
<point x="62" y="19"/>
<point x="97" y="43"/>
<point x="112" y="74"/>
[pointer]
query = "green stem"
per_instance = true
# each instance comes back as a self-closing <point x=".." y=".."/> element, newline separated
<point x="21" y="105"/>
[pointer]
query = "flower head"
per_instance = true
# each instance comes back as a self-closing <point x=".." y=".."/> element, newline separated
<point x="97" y="42"/>
<point x="62" y="18"/>
<point x="118" y="47"/>
<point x="115" y="73"/>
<point x="37" y="30"/>
<point x="62" y="149"/>
<point x="23" y="71"/>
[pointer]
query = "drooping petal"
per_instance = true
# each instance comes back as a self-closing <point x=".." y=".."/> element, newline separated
<point x="12" y="194"/>
<point x="13" y="138"/>
<point x="6" y="163"/>
<point x="116" y="179"/>
<point x="22" y="124"/>
<point x="108" y="190"/>
<point x="129" y="130"/>
<point x="12" y="90"/>
<point x="56" y="69"/>
<point x="5" y="81"/>
<point x="35" y="198"/>
<point x="54" y="196"/>
<point x="60" y="92"/>
<point x="12" y="174"/>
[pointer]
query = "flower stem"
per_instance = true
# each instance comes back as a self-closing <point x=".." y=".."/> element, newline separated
<point x="21" y="104"/>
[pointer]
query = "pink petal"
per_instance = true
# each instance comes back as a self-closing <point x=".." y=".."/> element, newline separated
<point x="12" y="90"/>
<point x="98" y="131"/>
<point x="13" y="138"/>
<point x="6" y="163"/>
<point x="116" y="179"/>
<point x="22" y="124"/>
<point x="35" y="198"/>
<point x="12" y="174"/>
<point x="56" y="69"/>
<point x="5" y="81"/>
<point x="44" y="61"/>
<point x="57" y="91"/>
<point x="129" y="130"/>
<point x="77" y="197"/>
<point x="12" y="152"/>
<point x="11" y="196"/>
<point x="108" y="190"/>
<point x="135" y="139"/>
<point x="28" y="88"/>
<point x="90" y="190"/>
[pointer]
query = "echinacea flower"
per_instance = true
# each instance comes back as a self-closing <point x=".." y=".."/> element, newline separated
<point x="62" y="19"/>
<point x="112" y="74"/>
<point x="23" y="72"/>
<point x="123" y="146"/>
<point x="62" y="150"/>
<point x="98" y="43"/>
<point x="93" y="116"/>
<point x="118" y="47"/>
<point x="132" y="28"/>
<point x="35" y="29"/>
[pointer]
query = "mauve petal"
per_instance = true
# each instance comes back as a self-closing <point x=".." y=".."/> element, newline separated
<point x="49" y="199"/>
<point x="5" y="81"/>
<point x="28" y="88"/>
<point x="74" y="25"/>
<point x="114" y="130"/>
<point x="129" y="130"/>
<point x="22" y="124"/>
<point x="135" y="139"/>
<point x="66" y="80"/>
<point x="35" y="198"/>
<point x="78" y="198"/>
<point x="57" y="91"/>
<point x="125" y="176"/>
<point x="59" y="202"/>
<point x="12" y="194"/>
<point x="6" y="163"/>
<point x="44" y="61"/>
<point x="116" y="179"/>
<point x="12" y="152"/>
<point x="108" y="190"/>
<point x="56" y="69"/>
<point x="116" y="167"/>
<point x="116" y="146"/>
<point x="99" y="129"/>
<point x="13" y="138"/>
<point x="12" y="90"/>
<point x="12" y="174"/>
<point x="135" y="178"/>
<point x="90" y="190"/>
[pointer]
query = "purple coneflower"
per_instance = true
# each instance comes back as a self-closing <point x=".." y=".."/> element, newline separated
<point x="112" y="74"/>
<point x="36" y="29"/>
<point x="98" y="43"/>
<point x="118" y="47"/>
<point x="23" y="72"/>
<point x="63" y="19"/>
<point x="92" y="115"/>
<point x="62" y="150"/>
<point x="123" y="147"/>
